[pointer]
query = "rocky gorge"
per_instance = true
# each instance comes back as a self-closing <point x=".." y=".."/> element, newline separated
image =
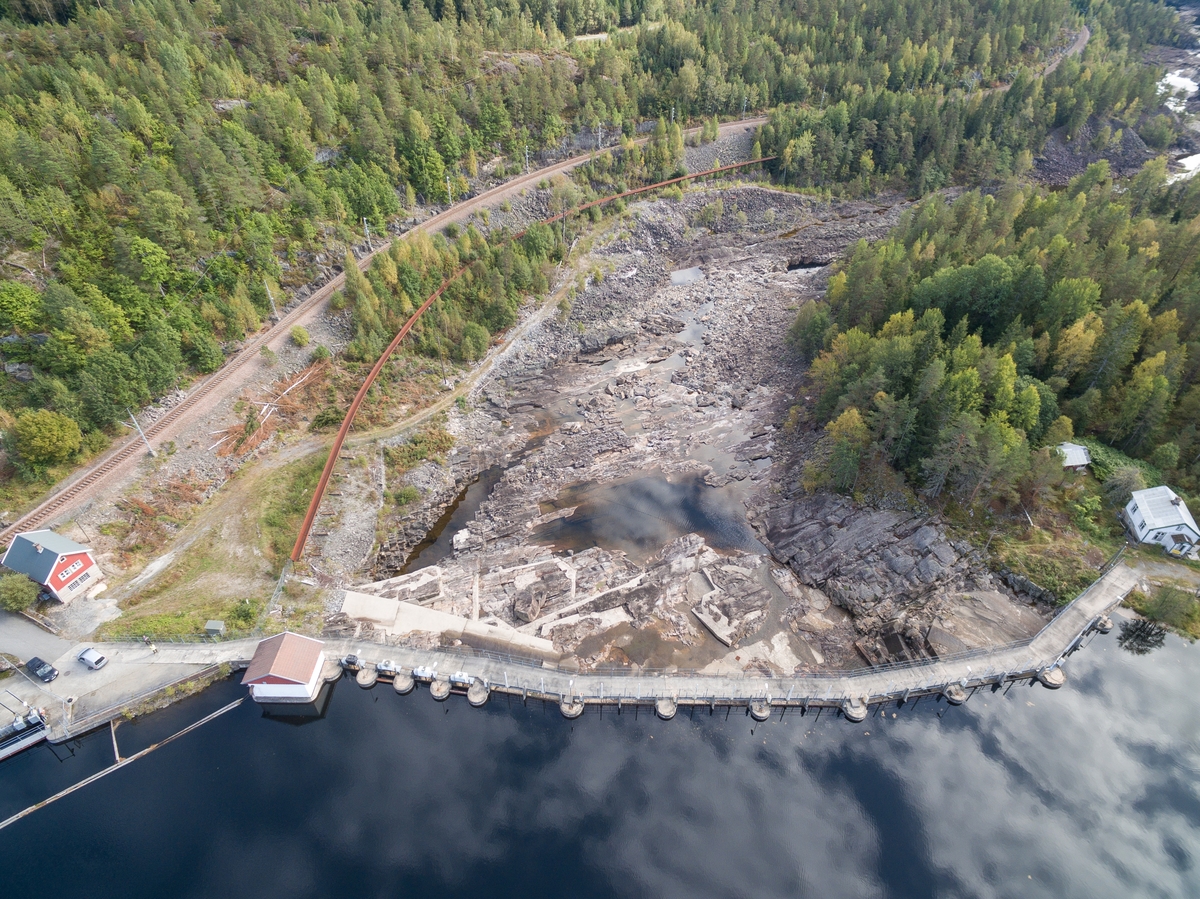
<point x="631" y="476"/>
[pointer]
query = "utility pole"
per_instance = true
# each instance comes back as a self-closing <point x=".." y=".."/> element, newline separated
<point x="745" y="100"/>
<point x="441" y="351"/>
<point x="138" y="428"/>
<point x="672" y="115"/>
<point x="274" y="311"/>
<point x="527" y="159"/>
<point x="449" y="196"/>
<point x="367" y="228"/>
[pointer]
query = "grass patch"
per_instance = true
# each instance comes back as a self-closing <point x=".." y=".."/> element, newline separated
<point x="301" y="609"/>
<point x="165" y="625"/>
<point x="190" y="591"/>
<point x="288" y="493"/>
<point x="431" y="442"/>
<point x="1057" y="565"/>
<point x="1169" y="605"/>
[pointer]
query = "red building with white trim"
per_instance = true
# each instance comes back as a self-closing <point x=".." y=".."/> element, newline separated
<point x="65" y="569"/>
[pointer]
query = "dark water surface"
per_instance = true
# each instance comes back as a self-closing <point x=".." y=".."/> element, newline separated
<point x="640" y="514"/>
<point x="1091" y="791"/>
<point x="439" y="542"/>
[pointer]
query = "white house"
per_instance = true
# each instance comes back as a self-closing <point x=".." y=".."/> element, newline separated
<point x="285" y="668"/>
<point x="1157" y="515"/>
<point x="1075" y="457"/>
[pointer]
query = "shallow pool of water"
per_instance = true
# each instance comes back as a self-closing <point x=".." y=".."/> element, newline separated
<point x="439" y="542"/>
<point x="640" y="514"/>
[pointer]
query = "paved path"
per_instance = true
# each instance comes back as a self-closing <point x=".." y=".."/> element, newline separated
<point x="22" y="638"/>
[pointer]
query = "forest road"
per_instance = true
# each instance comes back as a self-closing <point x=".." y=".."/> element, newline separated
<point x="1077" y="47"/>
<point x="118" y="466"/>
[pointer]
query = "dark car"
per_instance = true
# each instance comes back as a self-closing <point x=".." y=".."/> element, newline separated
<point x="44" y="670"/>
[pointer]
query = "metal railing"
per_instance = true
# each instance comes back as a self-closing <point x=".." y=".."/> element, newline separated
<point x="103" y="716"/>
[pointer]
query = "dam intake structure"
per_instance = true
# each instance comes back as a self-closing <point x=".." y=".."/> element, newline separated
<point x="853" y="693"/>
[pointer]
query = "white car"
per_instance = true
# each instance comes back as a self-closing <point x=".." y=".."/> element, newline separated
<point x="92" y="659"/>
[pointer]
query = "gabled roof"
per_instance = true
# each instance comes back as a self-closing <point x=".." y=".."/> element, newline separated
<point x="23" y="555"/>
<point x="1074" y="455"/>
<point x="1162" y="508"/>
<point x="286" y="657"/>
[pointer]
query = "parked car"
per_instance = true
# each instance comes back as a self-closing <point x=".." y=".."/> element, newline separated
<point x="92" y="659"/>
<point x="44" y="670"/>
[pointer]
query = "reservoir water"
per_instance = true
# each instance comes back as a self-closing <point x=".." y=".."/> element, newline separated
<point x="1090" y="791"/>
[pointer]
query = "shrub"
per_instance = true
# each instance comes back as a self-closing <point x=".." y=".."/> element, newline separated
<point x="1106" y="461"/>
<point x="320" y="353"/>
<point x="299" y="336"/>
<point x="329" y="417"/>
<point x="406" y="495"/>
<point x="44" y="437"/>
<point x="269" y="355"/>
<point x="17" y="592"/>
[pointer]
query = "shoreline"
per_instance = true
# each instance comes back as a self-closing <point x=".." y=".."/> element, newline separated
<point x="850" y="693"/>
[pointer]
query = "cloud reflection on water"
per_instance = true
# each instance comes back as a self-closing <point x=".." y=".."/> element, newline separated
<point x="1088" y="792"/>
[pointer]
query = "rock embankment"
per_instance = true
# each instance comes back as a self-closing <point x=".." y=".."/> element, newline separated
<point x="899" y="575"/>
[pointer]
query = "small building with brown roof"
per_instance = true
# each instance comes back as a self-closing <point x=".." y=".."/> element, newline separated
<point x="285" y="668"/>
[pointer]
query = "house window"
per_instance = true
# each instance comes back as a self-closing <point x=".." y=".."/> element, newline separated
<point x="70" y="569"/>
<point x="1157" y="535"/>
<point x="79" y="580"/>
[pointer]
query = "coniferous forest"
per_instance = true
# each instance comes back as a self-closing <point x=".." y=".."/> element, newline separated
<point x="166" y="165"/>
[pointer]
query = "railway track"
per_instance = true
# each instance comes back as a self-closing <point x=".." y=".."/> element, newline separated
<point x="84" y="483"/>
<point x="347" y="422"/>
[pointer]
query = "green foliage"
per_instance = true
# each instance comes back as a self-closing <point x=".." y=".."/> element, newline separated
<point x="1084" y="512"/>
<point x="902" y="114"/>
<point x="287" y="501"/>
<point x="1169" y="605"/>
<point x="299" y="336"/>
<point x="320" y="353"/>
<point x="1106" y="461"/>
<point x="980" y="329"/>
<point x="326" y="419"/>
<point x="429" y="443"/>
<point x="158" y="161"/>
<point x="406" y="495"/>
<point x="17" y="592"/>
<point x="43" y="437"/>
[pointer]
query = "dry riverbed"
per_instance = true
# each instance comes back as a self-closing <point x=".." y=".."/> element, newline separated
<point x="623" y="490"/>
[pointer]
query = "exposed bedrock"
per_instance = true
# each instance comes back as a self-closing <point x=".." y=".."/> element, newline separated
<point x="879" y="565"/>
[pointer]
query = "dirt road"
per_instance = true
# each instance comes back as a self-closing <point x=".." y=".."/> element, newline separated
<point x="119" y="464"/>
